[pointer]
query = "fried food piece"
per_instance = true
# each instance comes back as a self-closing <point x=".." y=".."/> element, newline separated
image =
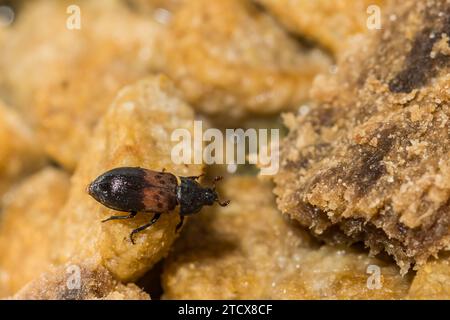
<point x="29" y="211"/>
<point x="136" y="131"/>
<point x="369" y="161"/>
<point x="330" y="23"/>
<point x="341" y="273"/>
<point x="249" y="251"/>
<point x="95" y="283"/>
<point x="431" y="281"/>
<point x="20" y="154"/>
<point x="83" y="68"/>
<point x="229" y="58"/>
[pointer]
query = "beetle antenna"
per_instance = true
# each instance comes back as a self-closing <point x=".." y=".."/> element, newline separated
<point x="224" y="203"/>
<point x="216" y="179"/>
<point x="221" y="203"/>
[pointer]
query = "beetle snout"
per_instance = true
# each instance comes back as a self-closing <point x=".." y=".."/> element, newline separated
<point x="92" y="190"/>
<point x="95" y="190"/>
<point x="89" y="189"/>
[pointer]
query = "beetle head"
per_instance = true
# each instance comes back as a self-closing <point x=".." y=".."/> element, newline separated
<point x="100" y="189"/>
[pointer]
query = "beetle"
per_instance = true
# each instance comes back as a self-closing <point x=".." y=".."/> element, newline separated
<point x="135" y="189"/>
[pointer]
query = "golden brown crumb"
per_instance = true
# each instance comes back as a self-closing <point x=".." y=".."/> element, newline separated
<point x="330" y="23"/>
<point x="29" y="212"/>
<point x="229" y="58"/>
<point x="63" y="79"/>
<point x="249" y="251"/>
<point x="136" y="131"/>
<point x="431" y="281"/>
<point x="368" y="161"/>
<point x="79" y="282"/>
<point x="20" y="153"/>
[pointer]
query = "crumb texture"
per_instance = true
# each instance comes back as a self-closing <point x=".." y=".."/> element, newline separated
<point x="66" y="222"/>
<point x="134" y="132"/>
<point x="250" y="251"/>
<point x="79" y="282"/>
<point x="431" y="281"/>
<point x="63" y="80"/>
<point x="330" y="23"/>
<point x="368" y="161"/>
<point x="29" y="212"/>
<point x="20" y="154"/>
<point x="229" y="58"/>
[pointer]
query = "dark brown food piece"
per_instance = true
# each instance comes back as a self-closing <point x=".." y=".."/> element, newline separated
<point x="370" y="160"/>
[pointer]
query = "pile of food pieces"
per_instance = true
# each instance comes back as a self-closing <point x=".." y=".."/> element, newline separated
<point x="360" y="208"/>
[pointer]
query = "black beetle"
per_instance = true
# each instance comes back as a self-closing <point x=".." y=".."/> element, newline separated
<point x="134" y="189"/>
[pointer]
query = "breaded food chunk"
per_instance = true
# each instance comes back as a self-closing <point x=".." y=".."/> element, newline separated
<point x="229" y="58"/>
<point x="369" y="160"/>
<point x="20" y="153"/>
<point x="431" y="281"/>
<point x="330" y="23"/>
<point x="79" y="282"/>
<point x="64" y="78"/>
<point x="29" y="212"/>
<point x="135" y="132"/>
<point x="248" y="250"/>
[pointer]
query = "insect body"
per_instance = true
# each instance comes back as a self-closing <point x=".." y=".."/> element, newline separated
<point x="133" y="190"/>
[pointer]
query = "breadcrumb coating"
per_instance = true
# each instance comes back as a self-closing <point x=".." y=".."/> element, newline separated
<point x="63" y="80"/>
<point x="28" y="214"/>
<point x="229" y="58"/>
<point x="95" y="283"/>
<point x="332" y="24"/>
<point x="368" y="161"/>
<point x="135" y="132"/>
<point x="250" y="251"/>
<point x="20" y="154"/>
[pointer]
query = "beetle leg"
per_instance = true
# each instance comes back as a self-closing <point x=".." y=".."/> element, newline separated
<point x="145" y="226"/>
<point x="180" y="224"/>
<point x="216" y="179"/>
<point x="131" y="215"/>
<point x="223" y="203"/>
<point x="196" y="177"/>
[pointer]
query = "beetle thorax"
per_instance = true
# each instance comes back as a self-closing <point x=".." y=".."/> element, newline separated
<point x="192" y="196"/>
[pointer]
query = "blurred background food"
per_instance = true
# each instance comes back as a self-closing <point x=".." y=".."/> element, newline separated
<point x="332" y="24"/>
<point x="209" y="45"/>
<point x="29" y="212"/>
<point x="76" y="102"/>
<point x="20" y="153"/>
<point x="63" y="80"/>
